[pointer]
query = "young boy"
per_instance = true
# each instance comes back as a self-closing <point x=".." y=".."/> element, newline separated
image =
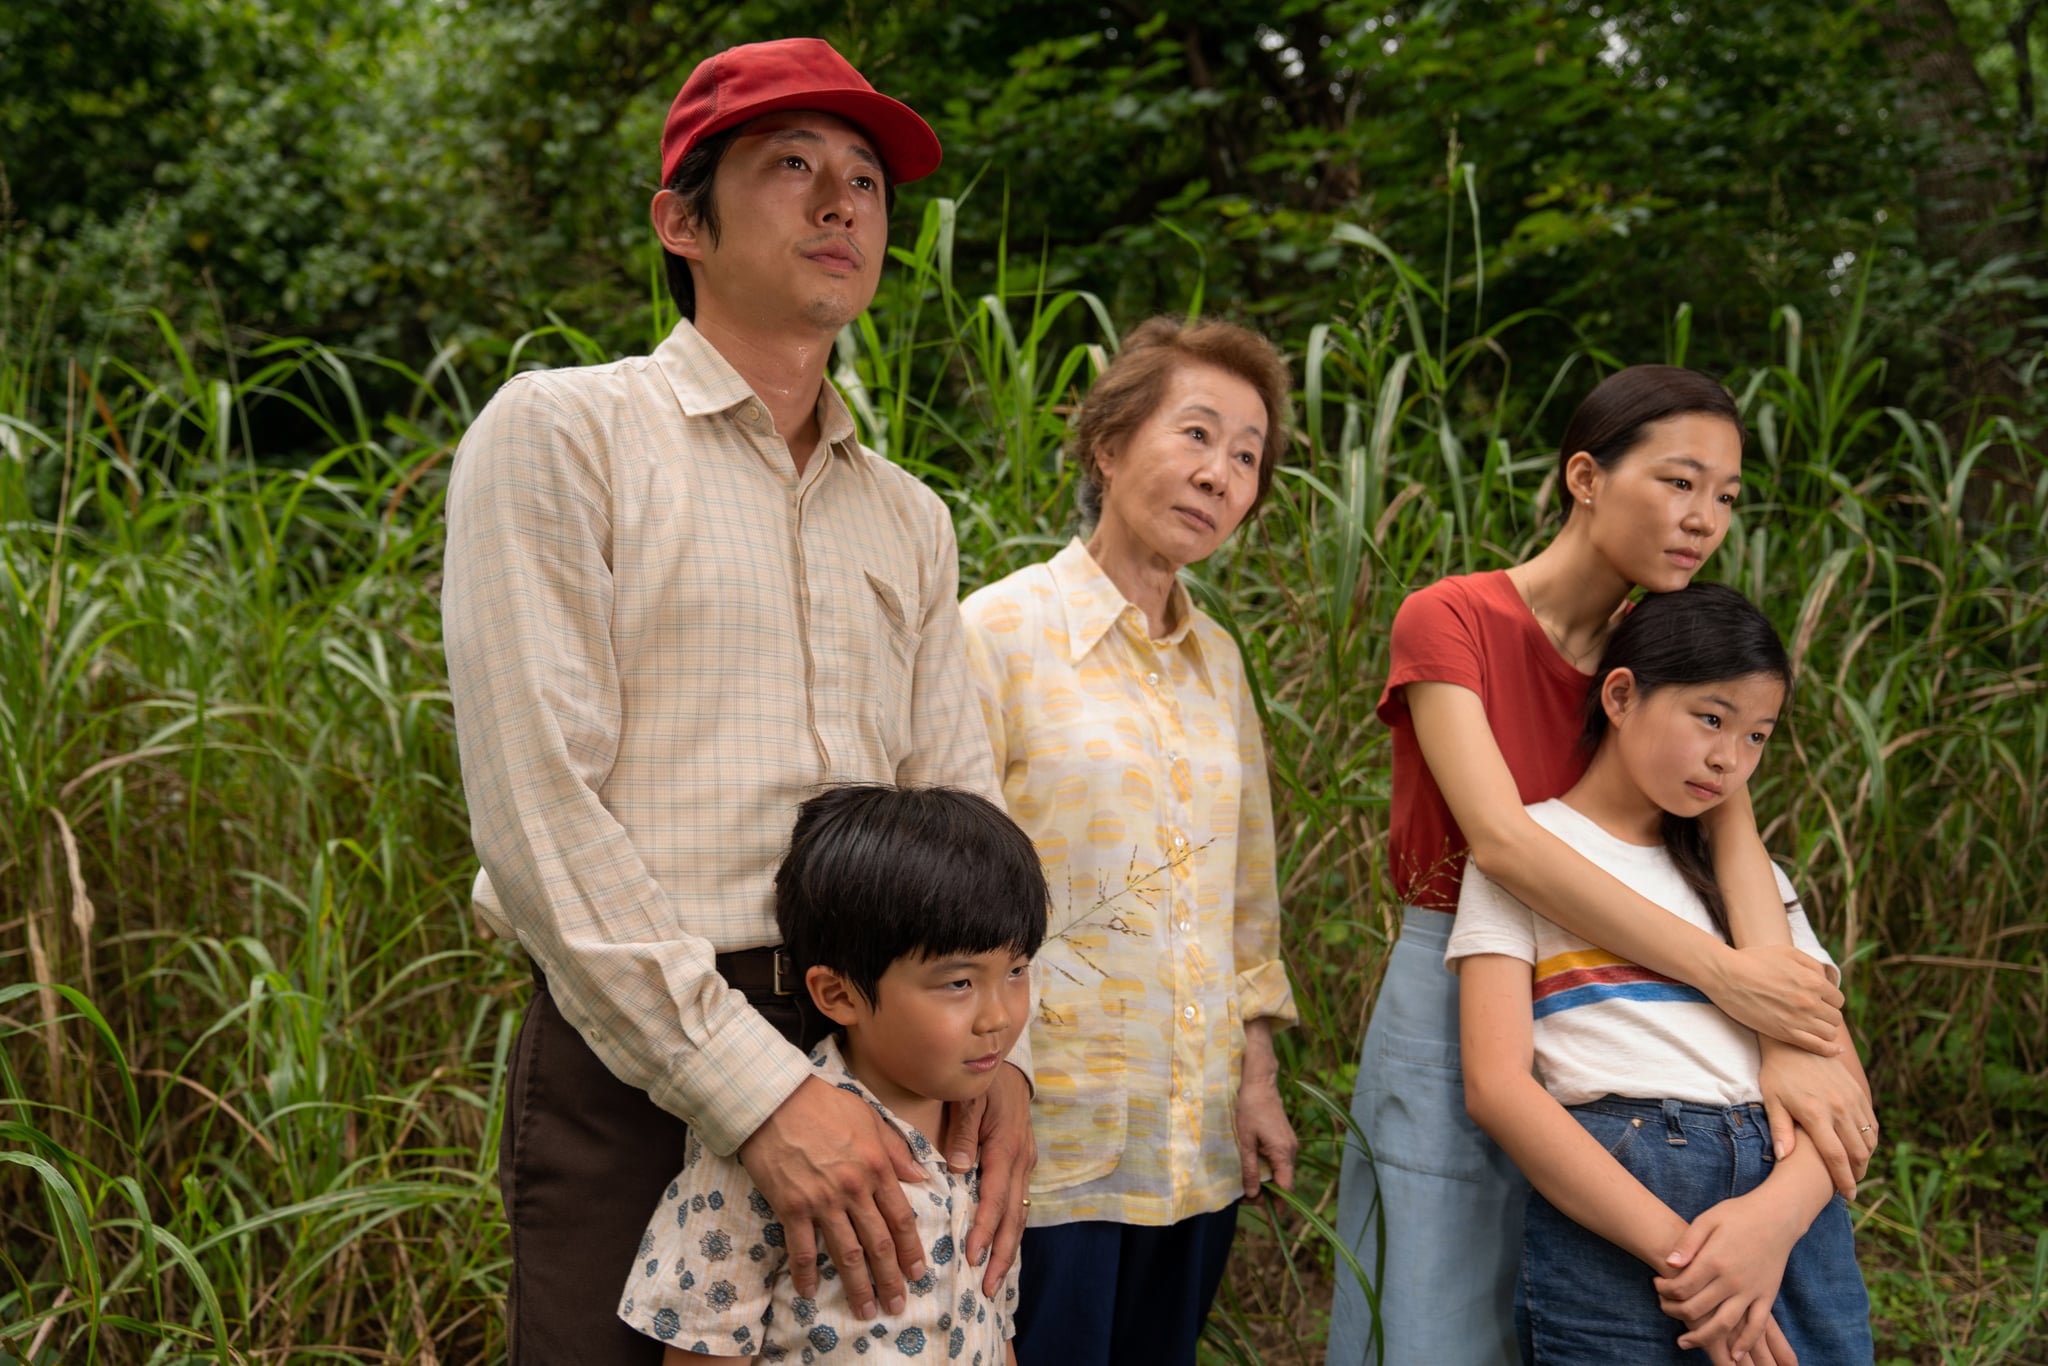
<point x="910" y="917"/>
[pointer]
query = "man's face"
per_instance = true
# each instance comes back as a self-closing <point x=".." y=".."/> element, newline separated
<point x="803" y="226"/>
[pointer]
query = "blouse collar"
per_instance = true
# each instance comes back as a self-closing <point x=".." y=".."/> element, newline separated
<point x="1094" y="605"/>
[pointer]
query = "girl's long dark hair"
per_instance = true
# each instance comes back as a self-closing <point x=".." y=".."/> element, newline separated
<point x="1704" y="633"/>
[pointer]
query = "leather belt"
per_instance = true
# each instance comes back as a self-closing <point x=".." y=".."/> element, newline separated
<point x="751" y="972"/>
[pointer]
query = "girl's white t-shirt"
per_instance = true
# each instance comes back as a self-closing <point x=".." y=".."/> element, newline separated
<point x="1605" y="1026"/>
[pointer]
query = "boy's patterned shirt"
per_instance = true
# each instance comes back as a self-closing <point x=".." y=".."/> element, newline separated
<point x="1138" y="768"/>
<point x="712" y="1275"/>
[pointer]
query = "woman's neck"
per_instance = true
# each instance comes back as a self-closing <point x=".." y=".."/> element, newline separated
<point x="1146" y="580"/>
<point x="1574" y="594"/>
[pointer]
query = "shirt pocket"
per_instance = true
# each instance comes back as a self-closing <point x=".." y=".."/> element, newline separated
<point x="1081" y="1074"/>
<point x="893" y="642"/>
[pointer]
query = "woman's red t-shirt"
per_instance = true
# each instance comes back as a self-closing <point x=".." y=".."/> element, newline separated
<point x="1474" y="630"/>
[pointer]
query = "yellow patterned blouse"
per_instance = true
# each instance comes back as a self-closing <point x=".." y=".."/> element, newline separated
<point x="1137" y="767"/>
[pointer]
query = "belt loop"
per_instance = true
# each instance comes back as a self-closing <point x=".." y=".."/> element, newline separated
<point x="1674" y="1128"/>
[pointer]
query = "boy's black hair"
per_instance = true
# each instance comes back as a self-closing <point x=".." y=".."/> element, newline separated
<point x="877" y="873"/>
<point x="1703" y="633"/>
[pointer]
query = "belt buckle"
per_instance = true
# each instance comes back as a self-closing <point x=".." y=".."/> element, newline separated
<point x="783" y="963"/>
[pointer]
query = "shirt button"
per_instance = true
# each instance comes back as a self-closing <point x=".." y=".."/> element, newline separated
<point x="752" y="414"/>
<point x="1180" y="841"/>
<point x="1172" y="756"/>
<point x="1153" y="679"/>
<point x="1186" y="924"/>
<point x="1189" y="1013"/>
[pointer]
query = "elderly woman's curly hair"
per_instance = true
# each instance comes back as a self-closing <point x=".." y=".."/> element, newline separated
<point x="1134" y="384"/>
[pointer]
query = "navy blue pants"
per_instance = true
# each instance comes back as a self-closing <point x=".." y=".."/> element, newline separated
<point x="1105" y="1294"/>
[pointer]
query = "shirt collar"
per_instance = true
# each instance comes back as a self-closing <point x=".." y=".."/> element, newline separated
<point x="705" y="383"/>
<point x="1095" y="605"/>
<point x="830" y="1063"/>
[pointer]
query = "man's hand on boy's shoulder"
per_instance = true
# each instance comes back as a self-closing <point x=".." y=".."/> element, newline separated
<point x="995" y="1133"/>
<point x="830" y="1165"/>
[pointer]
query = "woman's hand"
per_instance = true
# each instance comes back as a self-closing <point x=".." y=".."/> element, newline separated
<point x="1827" y="1101"/>
<point x="1262" y="1127"/>
<point x="1777" y="990"/>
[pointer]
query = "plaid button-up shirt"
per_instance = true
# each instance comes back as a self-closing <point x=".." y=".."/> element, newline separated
<point x="660" y="639"/>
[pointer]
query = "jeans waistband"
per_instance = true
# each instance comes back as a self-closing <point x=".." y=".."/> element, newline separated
<point x="1682" y="1114"/>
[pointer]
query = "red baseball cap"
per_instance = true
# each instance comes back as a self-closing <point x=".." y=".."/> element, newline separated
<point x="794" y="73"/>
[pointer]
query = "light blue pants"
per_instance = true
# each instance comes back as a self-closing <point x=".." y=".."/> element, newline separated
<point x="1443" y="1196"/>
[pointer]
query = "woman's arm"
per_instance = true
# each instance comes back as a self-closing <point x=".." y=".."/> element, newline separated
<point x="1826" y="1097"/>
<point x="1558" y="1156"/>
<point x="1773" y="989"/>
<point x="1265" y="999"/>
<point x="1262" y="1128"/>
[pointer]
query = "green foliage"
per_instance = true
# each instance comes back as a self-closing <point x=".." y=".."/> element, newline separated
<point x="254" y="1110"/>
<point x="392" y="178"/>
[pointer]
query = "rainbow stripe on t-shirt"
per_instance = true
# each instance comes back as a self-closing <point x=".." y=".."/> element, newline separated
<point x="1591" y="975"/>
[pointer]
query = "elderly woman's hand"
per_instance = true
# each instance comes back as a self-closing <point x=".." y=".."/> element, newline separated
<point x="1262" y="1127"/>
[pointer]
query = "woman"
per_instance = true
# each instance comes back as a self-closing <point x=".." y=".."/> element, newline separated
<point x="1128" y="747"/>
<point x="1489" y="677"/>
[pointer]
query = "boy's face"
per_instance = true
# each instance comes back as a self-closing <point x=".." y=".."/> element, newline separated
<point x="939" y="1027"/>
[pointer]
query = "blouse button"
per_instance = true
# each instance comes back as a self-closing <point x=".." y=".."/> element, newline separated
<point x="1180" y="841"/>
<point x="1189" y="1013"/>
<point x="1153" y="679"/>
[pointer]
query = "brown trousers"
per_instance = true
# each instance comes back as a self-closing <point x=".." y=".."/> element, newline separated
<point x="582" y="1162"/>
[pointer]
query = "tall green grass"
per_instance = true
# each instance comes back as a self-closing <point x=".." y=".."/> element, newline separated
<point x="253" y="1045"/>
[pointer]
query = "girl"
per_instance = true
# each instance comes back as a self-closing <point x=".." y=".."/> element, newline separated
<point x="1642" y="1128"/>
<point x="1487" y="688"/>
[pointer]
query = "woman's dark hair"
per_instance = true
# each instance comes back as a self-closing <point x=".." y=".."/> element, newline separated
<point x="693" y="180"/>
<point x="1703" y="633"/>
<point x="1609" y="422"/>
<point x="876" y="873"/>
<point x="1133" y="385"/>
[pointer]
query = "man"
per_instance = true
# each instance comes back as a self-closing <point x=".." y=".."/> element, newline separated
<point x="680" y="598"/>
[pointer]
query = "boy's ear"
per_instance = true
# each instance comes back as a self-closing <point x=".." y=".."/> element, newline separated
<point x="833" y="995"/>
<point x="1617" y="694"/>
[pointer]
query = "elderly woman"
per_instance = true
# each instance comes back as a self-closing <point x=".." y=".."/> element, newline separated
<point x="1129" y="749"/>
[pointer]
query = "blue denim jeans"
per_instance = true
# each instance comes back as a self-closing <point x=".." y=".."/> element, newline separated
<point x="1582" y="1299"/>
<point x="1442" y="1195"/>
